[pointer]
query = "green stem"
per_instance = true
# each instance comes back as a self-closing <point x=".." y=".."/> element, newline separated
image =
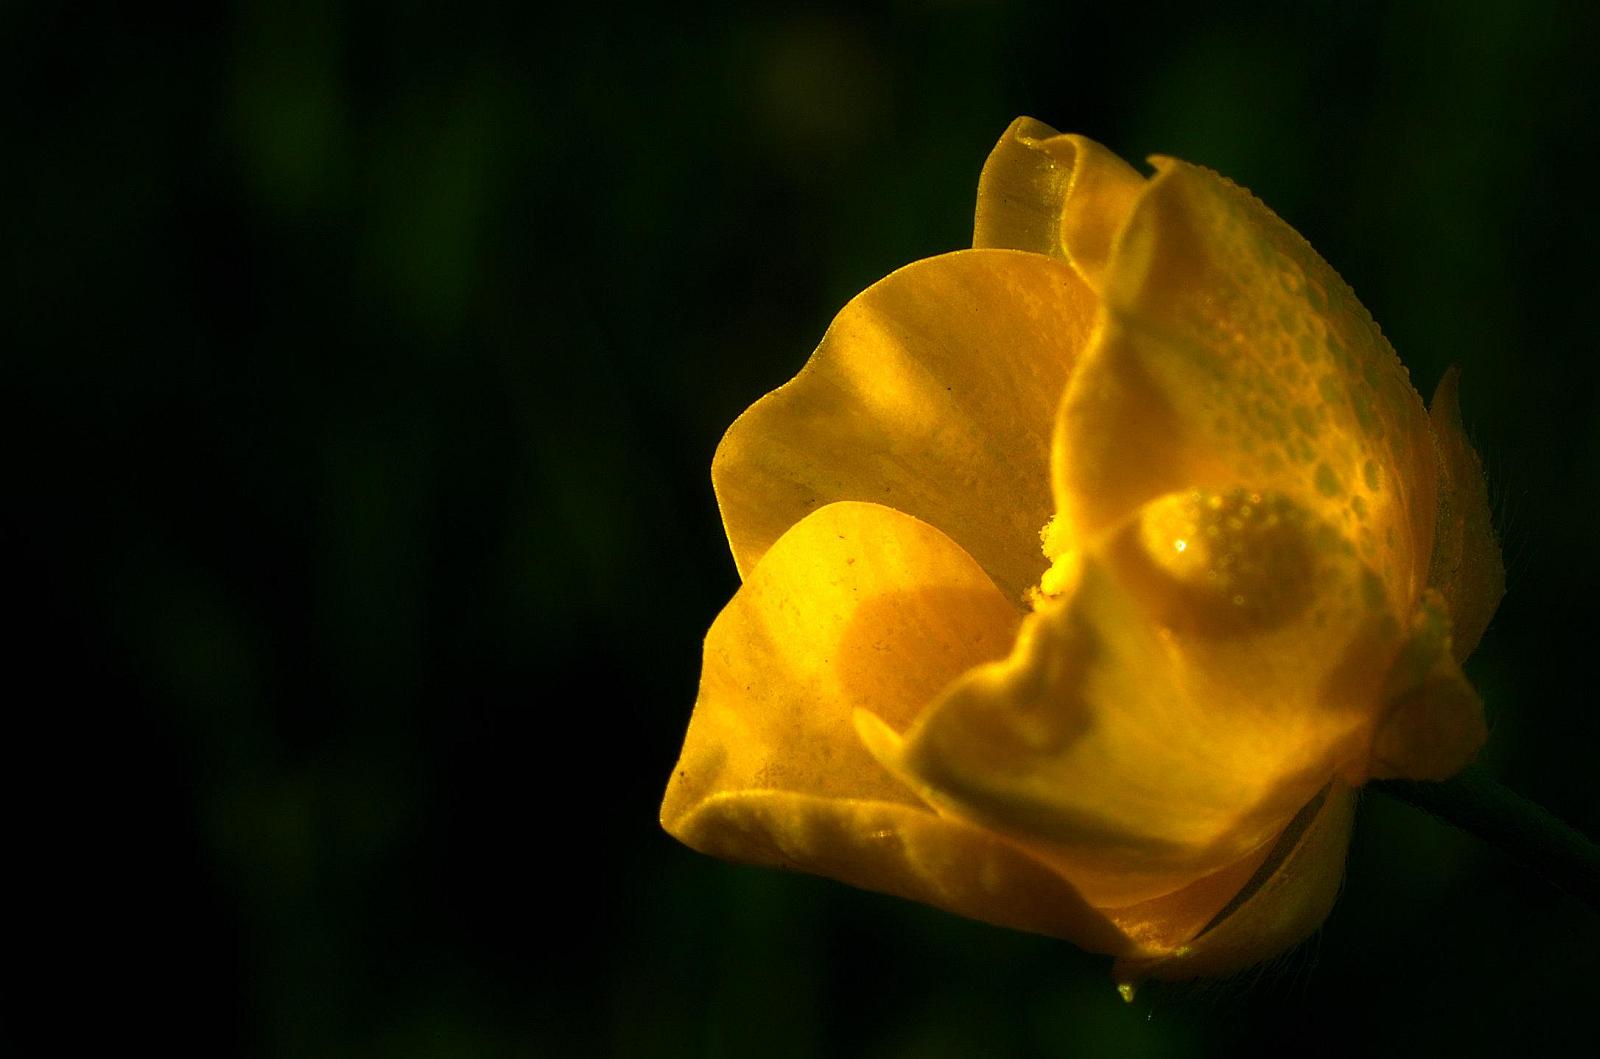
<point x="1477" y="803"/>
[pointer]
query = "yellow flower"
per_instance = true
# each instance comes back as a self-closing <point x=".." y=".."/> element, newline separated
<point x="1263" y="562"/>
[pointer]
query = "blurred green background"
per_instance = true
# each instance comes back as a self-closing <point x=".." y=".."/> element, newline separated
<point x="371" y="358"/>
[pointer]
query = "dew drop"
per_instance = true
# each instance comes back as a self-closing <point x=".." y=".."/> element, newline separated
<point x="1317" y="295"/>
<point x="1327" y="481"/>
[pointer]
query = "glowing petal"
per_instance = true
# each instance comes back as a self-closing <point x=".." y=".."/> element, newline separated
<point x="1466" y="568"/>
<point x="1289" y="897"/>
<point x="933" y="392"/>
<point x="1049" y="193"/>
<point x="857" y="605"/>
<point x="1168" y="718"/>
<point x="1233" y="355"/>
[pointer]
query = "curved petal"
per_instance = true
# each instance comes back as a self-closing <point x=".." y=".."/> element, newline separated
<point x="1233" y="355"/>
<point x="1217" y="662"/>
<point x="1466" y="568"/>
<point x="857" y="605"/>
<point x="1289" y="897"/>
<point x="1049" y="193"/>
<point x="897" y="849"/>
<point x="933" y="392"/>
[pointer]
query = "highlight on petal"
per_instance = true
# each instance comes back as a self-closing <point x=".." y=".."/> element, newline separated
<point x="856" y="606"/>
<point x="933" y="392"/>
<point x="1218" y="660"/>
<point x="1049" y="193"/>
<point x="1466" y="568"/>
<point x="1233" y="355"/>
<point x="1283" y="904"/>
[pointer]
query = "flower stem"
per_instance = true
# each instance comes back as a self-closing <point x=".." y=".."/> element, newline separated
<point x="1477" y="803"/>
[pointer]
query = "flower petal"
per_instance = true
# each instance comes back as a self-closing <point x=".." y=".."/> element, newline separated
<point x="1171" y="714"/>
<point x="857" y="605"/>
<point x="1467" y="568"/>
<point x="1049" y="193"/>
<point x="934" y="392"/>
<point x="1233" y="355"/>
<point x="1289" y="897"/>
<point x="897" y="849"/>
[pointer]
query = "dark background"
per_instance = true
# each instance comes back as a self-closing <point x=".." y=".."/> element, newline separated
<point x="370" y="359"/>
